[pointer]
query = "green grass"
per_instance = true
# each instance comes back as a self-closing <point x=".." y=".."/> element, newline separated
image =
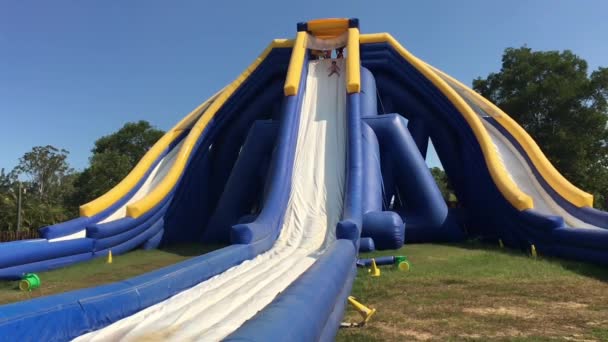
<point x="97" y="272"/>
<point x="473" y="292"/>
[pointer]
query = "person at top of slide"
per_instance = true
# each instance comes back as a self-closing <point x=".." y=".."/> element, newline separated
<point x="340" y="52"/>
<point x="334" y="69"/>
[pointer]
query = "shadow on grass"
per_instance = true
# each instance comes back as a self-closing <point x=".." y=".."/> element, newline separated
<point x="582" y="268"/>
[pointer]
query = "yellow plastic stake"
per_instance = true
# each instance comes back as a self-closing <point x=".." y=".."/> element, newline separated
<point x="500" y="243"/>
<point x="294" y="71"/>
<point x="533" y="251"/>
<point x="109" y="257"/>
<point x="374" y="271"/>
<point x="365" y="312"/>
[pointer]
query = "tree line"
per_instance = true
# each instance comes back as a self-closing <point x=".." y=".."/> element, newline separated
<point x="51" y="190"/>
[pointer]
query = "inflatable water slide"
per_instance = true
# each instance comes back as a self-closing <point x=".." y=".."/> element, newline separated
<point x="295" y="166"/>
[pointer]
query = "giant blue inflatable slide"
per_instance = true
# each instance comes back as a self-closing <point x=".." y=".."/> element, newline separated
<point x="296" y="165"/>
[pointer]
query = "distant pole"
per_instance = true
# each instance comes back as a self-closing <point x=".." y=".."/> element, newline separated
<point x="19" y="208"/>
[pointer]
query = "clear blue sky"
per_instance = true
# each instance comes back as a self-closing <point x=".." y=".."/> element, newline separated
<point x="72" y="71"/>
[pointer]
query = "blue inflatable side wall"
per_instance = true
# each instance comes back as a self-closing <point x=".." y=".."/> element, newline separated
<point x="352" y="215"/>
<point x="245" y="184"/>
<point x="386" y="229"/>
<point x="16" y="272"/>
<point x="420" y="202"/>
<point x="266" y="227"/>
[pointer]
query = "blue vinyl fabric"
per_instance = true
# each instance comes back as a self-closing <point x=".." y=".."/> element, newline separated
<point x="423" y="210"/>
<point x="245" y="184"/>
<point x="266" y="227"/>
<point x="366" y="244"/>
<point x="384" y="260"/>
<point x="154" y="241"/>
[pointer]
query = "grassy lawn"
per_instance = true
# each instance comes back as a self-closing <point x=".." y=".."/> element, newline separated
<point x="97" y="271"/>
<point x="472" y="292"/>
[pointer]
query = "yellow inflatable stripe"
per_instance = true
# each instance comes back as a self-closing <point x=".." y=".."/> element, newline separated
<point x="328" y="27"/>
<point x="164" y="187"/>
<point x="555" y="179"/>
<point x="353" y="63"/>
<point x="121" y="189"/>
<point x="505" y="184"/>
<point x="294" y="72"/>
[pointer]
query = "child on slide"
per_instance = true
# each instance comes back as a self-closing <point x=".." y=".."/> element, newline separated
<point x="334" y="69"/>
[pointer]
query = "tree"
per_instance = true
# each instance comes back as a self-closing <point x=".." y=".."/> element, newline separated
<point x="46" y="182"/>
<point x="8" y="207"/>
<point x="113" y="157"/>
<point x="46" y="167"/>
<point x="443" y="183"/>
<point x="563" y="107"/>
<point x="132" y="141"/>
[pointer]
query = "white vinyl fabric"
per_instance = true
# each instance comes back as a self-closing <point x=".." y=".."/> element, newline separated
<point x="158" y="173"/>
<point x="522" y="175"/>
<point x="213" y="309"/>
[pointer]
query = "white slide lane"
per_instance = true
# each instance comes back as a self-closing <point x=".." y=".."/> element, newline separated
<point x="215" y="308"/>
<point x="517" y="167"/>
<point x="523" y="176"/>
<point x="158" y="173"/>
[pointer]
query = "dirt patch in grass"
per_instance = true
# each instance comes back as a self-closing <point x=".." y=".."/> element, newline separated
<point x="460" y="293"/>
<point x="513" y="311"/>
<point x="98" y="272"/>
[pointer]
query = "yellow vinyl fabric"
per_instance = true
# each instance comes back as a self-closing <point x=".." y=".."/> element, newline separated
<point x="353" y="62"/>
<point x="294" y="72"/>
